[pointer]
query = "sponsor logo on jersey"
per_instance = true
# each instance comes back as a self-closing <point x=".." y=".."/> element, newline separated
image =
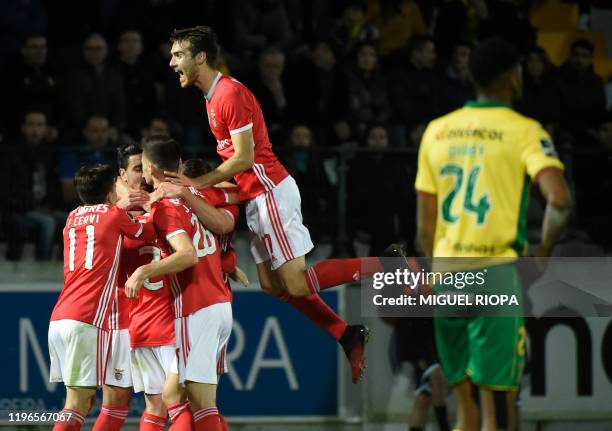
<point x="211" y="118"/>
<point x="470" y="132"/>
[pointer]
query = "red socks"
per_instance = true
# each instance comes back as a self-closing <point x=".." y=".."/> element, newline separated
<point x="334" y="272"/>
<point x="110" y="418"/>
<point x="149" y="422"/>
<point x="209" y="420"/>
<point x="318" y="311"/>
<point x="181" y="417"/>
<point x="70" y="420"/>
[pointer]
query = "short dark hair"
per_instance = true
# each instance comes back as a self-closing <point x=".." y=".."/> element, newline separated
<point x="125" y="151"/>
<point x="201" y="38"/>
<point x="418" y="42"/>
<point x="584" y="44"/>
<point x="194" y="168"/>
<point x="491" y="59"/>
<point x="163" y="151"/>
<point x="94" y="183"/>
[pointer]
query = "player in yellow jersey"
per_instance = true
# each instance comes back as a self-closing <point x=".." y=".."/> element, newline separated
<point x="475" y="168"/>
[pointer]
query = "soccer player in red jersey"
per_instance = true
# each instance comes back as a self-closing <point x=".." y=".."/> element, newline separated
<point x="203" y="313"/>
<point x="78" y="331"/>
<point x="117" y="388"/>
<point x="279" y="241"/>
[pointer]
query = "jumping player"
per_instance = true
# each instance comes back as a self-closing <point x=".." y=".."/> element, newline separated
<point x="279" y="240"/>
<point x="78" y="331"/>
<point x="475" y="167"/>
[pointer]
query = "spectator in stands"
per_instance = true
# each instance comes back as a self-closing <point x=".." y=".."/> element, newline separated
<point x="416" y="95"/>
<point x="31" y="84"/>
<point x="269" y="88"/>
<point x="541" y="93"/>
<point x="158" y="125"/>
<point x="306" y="166"/>
<point x="397" y="21"/>
<point x="593" y="185"/>
<point x="457" y="20"/>
<point x="352" y="29"/>
<point x="31" y="184"/>
<point x="458" y="87"/>
<point x="259" y="24"/>
<point x="17" y="19"/>
<point x="138" y="83"/>
<point x="319" y="102"/>
<point x="96" y="149"/>
<point x="582" y="91"/>
<point x="368" y="102"/>
<point x="390" y="170"/>
<point x="96" y="88"/>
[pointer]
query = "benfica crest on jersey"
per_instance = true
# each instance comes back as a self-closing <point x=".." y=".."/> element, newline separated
<point x="119" y="373"/>
<point x="211" y="117"/>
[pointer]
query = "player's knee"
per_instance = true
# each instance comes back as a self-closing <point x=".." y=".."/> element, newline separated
<point x="116" y="396"/>
<point x="155" y="405"/>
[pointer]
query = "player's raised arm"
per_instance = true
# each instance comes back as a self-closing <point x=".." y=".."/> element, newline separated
<point x="242" y="160"/>
<point x="184" y="257"/>
<point x="217" y="220"/>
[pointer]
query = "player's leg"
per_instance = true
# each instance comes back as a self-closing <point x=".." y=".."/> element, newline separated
<point x="117" y="389"/>
<point x="311" y="306"/>
<point x="497" y="344"/>
<point x="439" y="392"/>
<point x="201" y="360"/>
<point x="418" y="414"/>
<point x="79" y="401"/>
<point x="174" y="396"/>
<point x="468" y="414"/>
<point x="150" y="365"/>
<point x="115" y="408"/>
<point x="452" y="343"/>
<point x="77" y="351"/>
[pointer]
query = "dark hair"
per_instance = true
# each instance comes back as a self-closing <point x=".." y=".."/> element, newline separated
<point x="194" y="168"/>
<point x="584" y="44"/>
<point x="94" y="183"/>
<point x="163" y="151"/>
<point x="201" y="39"/>
<point x="491" y="59"/>
<point x="125" y="151"/>
<point x="418" y="42"/>
<point x="29" y="36"/>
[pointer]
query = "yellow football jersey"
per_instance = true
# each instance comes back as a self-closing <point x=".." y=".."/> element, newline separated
<point x="479" y="162"/>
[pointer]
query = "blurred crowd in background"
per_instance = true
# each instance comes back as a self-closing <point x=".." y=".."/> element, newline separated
<point x="356" y="78"/>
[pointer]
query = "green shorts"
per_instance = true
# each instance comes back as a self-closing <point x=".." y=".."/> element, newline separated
<point x="489" y="350"/>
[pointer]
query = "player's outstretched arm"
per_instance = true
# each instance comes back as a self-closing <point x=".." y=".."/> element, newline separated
<point x="554" y="188"/>
<point x="242" y="160"/>
<point x="184" y="257"/>
<point x="427" y="213"/>
<point x="217" y="220"/>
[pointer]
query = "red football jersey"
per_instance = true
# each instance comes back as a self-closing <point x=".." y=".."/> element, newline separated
<point x="233" y="109"/>
<point x="92" y="249"/>
<point x="201" y="285"/>
<point x="151" y="320"/>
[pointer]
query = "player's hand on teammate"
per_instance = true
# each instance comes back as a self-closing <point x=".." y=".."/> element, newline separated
<point x="179" y="179"/>
<point x="170" y="190"/>
<point x="133" y="199"/>
<point x="134" y="283"/>
<point x="240" y="276"/>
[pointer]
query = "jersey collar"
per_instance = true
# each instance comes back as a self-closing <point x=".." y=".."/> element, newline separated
<point x="487" y="104"/>
<point x="213" y="86"/>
